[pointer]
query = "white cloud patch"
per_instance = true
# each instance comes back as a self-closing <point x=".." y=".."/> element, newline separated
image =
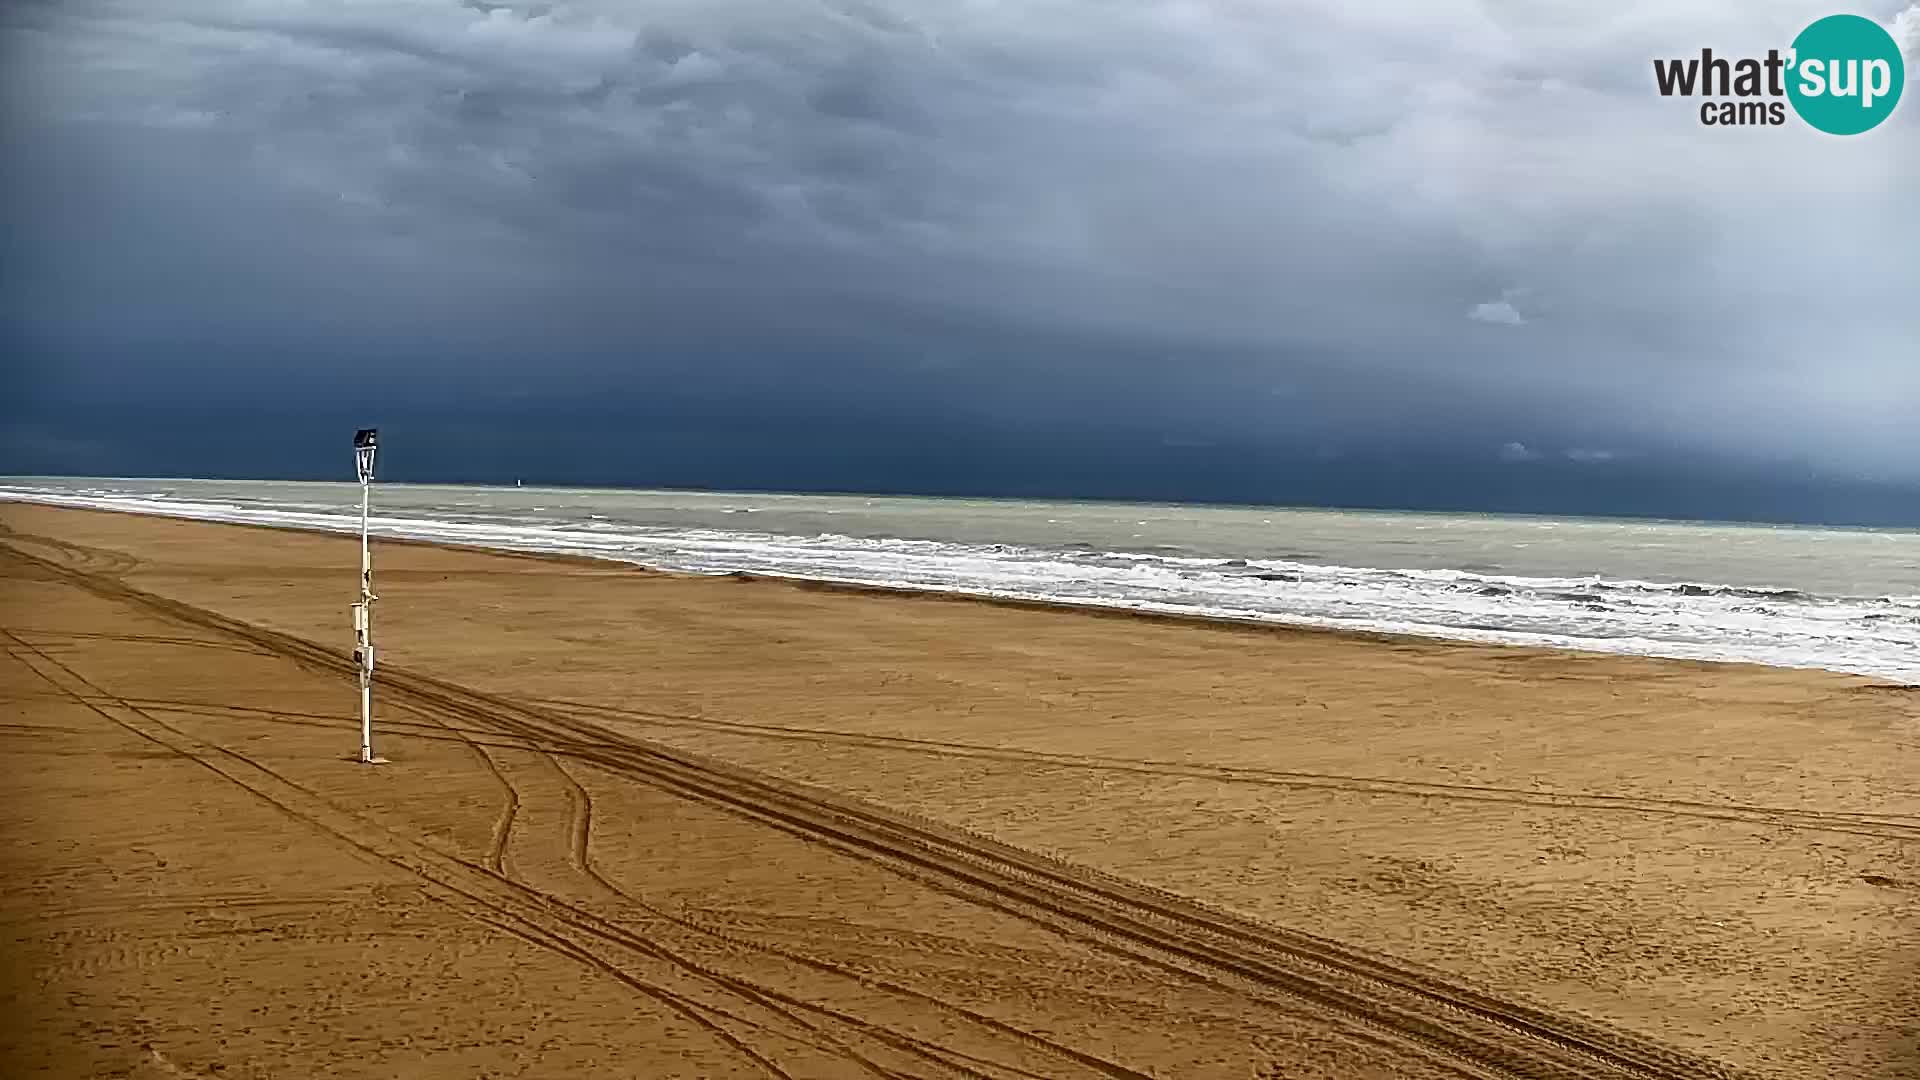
<point x="1906" y="33"/>
<point x="1499" y="312"/>
<point x="1515" y="452"/>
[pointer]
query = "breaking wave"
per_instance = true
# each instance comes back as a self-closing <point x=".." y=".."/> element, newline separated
<point x="1868" y="635"/>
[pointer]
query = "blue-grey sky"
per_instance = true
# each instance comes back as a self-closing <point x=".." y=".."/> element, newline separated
<point x="1421" y="253"/>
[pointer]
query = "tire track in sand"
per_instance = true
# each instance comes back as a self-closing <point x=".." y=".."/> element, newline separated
<point x="940" y="1055"/>
<point x="580" y="857"/>
<point x="1896" y="826"/>
<point x="502" y="832"/>
<point x="578" y="828"/>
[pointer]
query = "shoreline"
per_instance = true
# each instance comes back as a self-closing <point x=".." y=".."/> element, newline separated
<point x="1730" y="523"/>
<point x="1490" y="638"/>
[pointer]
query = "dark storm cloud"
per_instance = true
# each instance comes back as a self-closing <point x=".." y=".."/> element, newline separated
<point x="1429" y="230"/>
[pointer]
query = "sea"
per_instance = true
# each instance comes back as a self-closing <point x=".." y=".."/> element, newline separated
<point x="1843" y="599"/>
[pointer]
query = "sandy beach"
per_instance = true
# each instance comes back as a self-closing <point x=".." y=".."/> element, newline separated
<point x="639" y="824"/>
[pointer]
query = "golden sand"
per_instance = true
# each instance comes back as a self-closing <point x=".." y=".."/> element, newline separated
<point x="639" y="824"/>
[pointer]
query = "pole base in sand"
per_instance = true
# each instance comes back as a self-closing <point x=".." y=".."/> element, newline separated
<point x="372" y="760"/>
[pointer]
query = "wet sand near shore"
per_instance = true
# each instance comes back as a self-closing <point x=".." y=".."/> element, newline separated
<point x="643" y="824"/>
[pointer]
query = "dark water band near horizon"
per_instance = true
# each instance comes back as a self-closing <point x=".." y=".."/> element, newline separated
<point x="1842" y="599"/>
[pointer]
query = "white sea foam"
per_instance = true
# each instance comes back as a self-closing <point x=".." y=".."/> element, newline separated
<point x="1868" y="635"/>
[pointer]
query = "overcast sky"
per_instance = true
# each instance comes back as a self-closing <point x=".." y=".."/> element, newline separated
<point x="1433" y="252"/>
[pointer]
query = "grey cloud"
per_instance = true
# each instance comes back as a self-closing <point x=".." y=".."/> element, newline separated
<point x="1042" y="196"/>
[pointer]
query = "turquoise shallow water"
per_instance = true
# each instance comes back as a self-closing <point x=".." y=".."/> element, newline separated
<point x="1845" y="599"/>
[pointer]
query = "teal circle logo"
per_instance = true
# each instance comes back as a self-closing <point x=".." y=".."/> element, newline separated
<point x="1846" y="74"/>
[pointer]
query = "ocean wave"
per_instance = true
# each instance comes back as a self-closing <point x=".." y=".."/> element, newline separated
<point x="1789" y="627"/>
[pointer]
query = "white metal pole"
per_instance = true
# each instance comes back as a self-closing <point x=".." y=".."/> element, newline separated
<point x="365" y="632"/>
